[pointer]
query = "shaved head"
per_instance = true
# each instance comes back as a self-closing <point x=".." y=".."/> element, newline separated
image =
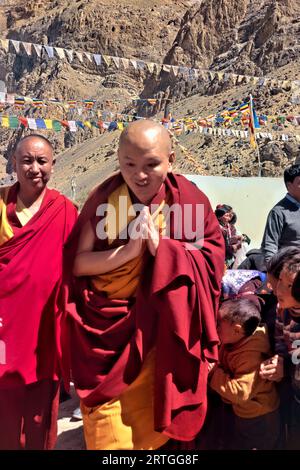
<point x="145" y="157"/>
<point x="146" y="133"/>
<point x="29" y="138"/>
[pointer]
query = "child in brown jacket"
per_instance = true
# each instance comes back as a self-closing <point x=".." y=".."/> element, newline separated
<point x="244" y="345"/>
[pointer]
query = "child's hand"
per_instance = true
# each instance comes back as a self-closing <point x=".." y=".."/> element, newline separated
<point x="211" y="366"/>
<point x="272" y="369"/>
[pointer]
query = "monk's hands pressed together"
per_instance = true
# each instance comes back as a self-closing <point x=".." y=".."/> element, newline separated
<point x="150" y="233"/>
<point x="136" y="241"/>
<point x="143" y="232"/>
<point x="272" y="369"/>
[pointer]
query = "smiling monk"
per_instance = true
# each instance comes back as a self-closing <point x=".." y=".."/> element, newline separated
<point x="34" y="224"/>
<point x="147" y="272"/>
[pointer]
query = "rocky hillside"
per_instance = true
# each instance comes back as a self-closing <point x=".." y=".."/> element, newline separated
<point x="249" y="37"/>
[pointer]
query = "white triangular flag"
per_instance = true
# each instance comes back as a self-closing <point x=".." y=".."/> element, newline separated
<point x="134" y="63"/>
<point x="38" y="49"/>
<point x="97" y="59"/>
<point x="125" y="62"/>
<point x="166" y="68"/>
<point x="72" y="126"/>
<point x="50" y="51"/>
<point x="116" y="61"/>
<point x="88" y="56"/>
<point x="69" y="54"/>
<point x="140" y="64"/>
<point x="27" y="47"/>
<point x="175" y="70"/>
<point x="60" y="52"/>
<point x="79" y="55"/>
<point x="32" y="124"/>
<point x="16" y="45"/>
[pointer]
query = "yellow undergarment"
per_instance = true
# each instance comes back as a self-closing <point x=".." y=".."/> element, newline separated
<point x="125" y="423"/>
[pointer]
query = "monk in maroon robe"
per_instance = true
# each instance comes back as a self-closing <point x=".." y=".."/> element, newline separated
<point x="34" y="224"/>
<point x="149" y="258"/>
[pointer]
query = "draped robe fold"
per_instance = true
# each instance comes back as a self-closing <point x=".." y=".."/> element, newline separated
<point x="173" y="311"/>
<point x="30" y="294"/>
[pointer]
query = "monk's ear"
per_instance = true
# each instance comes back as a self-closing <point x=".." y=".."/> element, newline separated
<point x="53" y="163"/>
<point x="171" y="161"/>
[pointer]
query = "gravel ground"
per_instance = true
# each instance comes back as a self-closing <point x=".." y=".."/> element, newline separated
<point x="70" y="431"/>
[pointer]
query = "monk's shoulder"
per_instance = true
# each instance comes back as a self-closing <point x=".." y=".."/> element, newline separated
<point x="4" y="190"/>
<point x="69" y="203"/>
<point x="191" y="190"/>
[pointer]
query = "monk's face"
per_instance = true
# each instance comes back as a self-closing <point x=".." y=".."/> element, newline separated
<point x="33" y="162"/>
<point x="144" y="164"/>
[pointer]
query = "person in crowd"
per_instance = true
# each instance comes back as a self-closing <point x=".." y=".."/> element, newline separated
<point x="254" y="401"/>
<point x="283" y="223"/>
<point x="283" y="367"/>
<point x="143" y="300"/>
<point x="233" y="241"/>
<point x="35" y="222"/>
<point x="254" y="260"/>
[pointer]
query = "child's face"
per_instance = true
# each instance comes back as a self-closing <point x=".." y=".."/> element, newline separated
<point x="229" y="332"/>
<point x="283" y="291"/>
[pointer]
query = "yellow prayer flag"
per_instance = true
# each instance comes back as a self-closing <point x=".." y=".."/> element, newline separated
<point x="4" y="44"/>
<point x="107" y="59"/>
<point x="49" y="123"/>
<point x="87" y="124"/>
<point x="5" y="121"/>
<point x="120" y="125"/>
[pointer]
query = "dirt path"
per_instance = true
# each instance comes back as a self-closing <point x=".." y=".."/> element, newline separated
<point x="70" y="431"/>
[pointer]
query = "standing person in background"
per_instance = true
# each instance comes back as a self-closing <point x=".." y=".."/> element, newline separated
<point x="233" y="242"/>
<point x="142" y="325"/>
<point x="283" y="223"/>
<point x="34" y="224"/>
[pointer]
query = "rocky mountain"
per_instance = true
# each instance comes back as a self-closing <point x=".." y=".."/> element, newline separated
<point x="249" y="37"/>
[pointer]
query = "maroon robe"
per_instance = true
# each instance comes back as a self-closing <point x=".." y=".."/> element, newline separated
<point x="31" y="307"/>
<point x="174" y="311"/>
